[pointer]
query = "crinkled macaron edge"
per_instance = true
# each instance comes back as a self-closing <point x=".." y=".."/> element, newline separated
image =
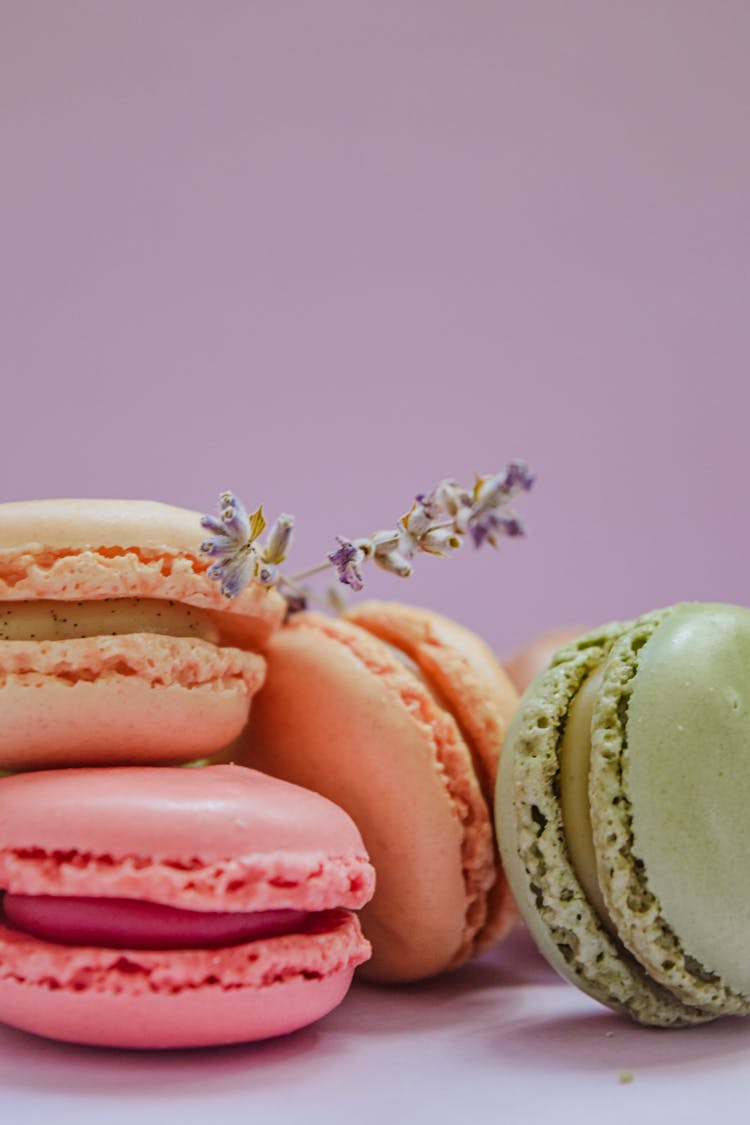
<point x="535" y="855"/>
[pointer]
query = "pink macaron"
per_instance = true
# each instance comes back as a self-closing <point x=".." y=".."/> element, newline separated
<point x="154" y="907"/>
<point x="116" y="647"/>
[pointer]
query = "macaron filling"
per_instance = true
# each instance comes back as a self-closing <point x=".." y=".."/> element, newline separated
<point x="50" y="620"/>
<point x="575" y="759"/>
<point x="120" y="923"/>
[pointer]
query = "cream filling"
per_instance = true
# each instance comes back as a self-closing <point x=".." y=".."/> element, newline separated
<point x="61" y="621"/>
<point x="575" y="758"/>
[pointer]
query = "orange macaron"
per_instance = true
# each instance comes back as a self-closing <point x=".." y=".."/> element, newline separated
<point x="116" y="646"/>
<point x="398" y="715"/>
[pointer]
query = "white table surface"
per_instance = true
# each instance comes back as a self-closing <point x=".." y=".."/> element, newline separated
<point x="502" y="1040"/>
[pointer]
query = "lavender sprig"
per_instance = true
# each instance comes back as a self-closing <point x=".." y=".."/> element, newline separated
<point x="436" y="524"/>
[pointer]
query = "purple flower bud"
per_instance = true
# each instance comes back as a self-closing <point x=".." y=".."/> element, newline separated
<point x="218" y="547"/>
<point x="210" y="523"/>
<point x="519" y="475"/>
<point x="347" y="562"/>
<point x="490" y="526"/>
<point x="493" y="491"/>
<point x="234" y="517"/>
<point x="235" y="572"/>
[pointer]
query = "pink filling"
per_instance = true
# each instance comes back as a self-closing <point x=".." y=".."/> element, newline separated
<point x="121" y="923"/>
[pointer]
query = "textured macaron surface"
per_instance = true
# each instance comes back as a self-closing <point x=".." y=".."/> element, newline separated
<point x="466" y="680"/>
<point x="565" y="925"/>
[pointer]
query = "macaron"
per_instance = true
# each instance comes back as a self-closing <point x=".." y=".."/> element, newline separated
<point x="622" y="813"/>
<point x="398" y="715"/>
<point x="115" y="645"/>
<point x="154" y="907"/>
<point x="525" y="663"/>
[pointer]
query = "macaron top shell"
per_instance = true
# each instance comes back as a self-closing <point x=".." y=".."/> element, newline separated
<point x="216" y="838"/>
<point x="458" y="667"/>
<point x="72" y="549"/>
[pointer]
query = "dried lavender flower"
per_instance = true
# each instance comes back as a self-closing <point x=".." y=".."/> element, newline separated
<point x="233" y="545"/>
<point x="436" y="524"/>
<point x="347" y="561"/>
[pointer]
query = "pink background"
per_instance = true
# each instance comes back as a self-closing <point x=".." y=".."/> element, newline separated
<point x="326" y="252"/>
<point x="329" y="252"/>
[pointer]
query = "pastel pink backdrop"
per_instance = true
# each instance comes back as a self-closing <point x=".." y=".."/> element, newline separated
<point x="327" y="253"/>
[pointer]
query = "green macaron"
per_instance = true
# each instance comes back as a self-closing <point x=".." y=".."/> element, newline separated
<point x="623" y="813"/>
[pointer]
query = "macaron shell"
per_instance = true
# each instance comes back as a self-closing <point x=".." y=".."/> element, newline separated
<point x="118" y="699"/>
<point x="464" y="674"/>
<point x="342" y="715"/>
<point x="78" y="524"/>
<point x="216" y="838"/>
<point x="458" y="666"/>
<point x="178" y="998"/>
<point x="88" y="549"/>
<point x="669" y="799"/>
<point x="532" y="844"/>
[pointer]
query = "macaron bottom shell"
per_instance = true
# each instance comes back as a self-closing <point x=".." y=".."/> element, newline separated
<point x="178" y="998"/>
<point x="121" y="699"/>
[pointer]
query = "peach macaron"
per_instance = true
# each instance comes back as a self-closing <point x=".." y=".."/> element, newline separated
<point x="115" y="644"/>
<point x="398" y="715"/>
<point x="154" y="907"/>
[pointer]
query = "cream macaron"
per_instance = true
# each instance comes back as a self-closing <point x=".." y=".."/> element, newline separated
<point x="398" y="715"/>
<point x="115" y="644"/>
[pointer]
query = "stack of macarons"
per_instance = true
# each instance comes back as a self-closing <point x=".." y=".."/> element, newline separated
<point x="146" y="905"/>
<point x="622" y="803"/>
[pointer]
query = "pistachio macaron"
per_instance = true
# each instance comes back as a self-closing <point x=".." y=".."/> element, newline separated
<point x="115" y="644"/>
<point x="621" y="806"/>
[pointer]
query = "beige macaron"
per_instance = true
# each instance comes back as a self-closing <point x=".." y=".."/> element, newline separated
<point x="398" y="715"/>
<point x="115" y="645"/>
